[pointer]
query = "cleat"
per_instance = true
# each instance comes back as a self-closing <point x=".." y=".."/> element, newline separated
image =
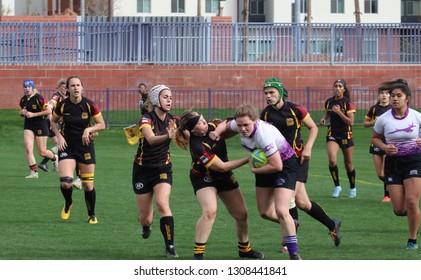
<point x="170" y="252"/>
<point x="43" y="167"/>
<point x="252" y="254"/>
<point x="283" y="249"/>
<point x="92" y="220"/>
<point x="32" y="175"/>
<point x="295" y="257"/>
<point x="77" y="183"/>
<point x="336" y="191"/>
<point x="66" y="214"/>
<point x="386" y="198"/>
<point x="336" y="233"/>
<point x="146" y="231"/>
<point x="353" y="193"/>
<point x="411" y="246"/>
<point x="55" y="163"/>
<point x="198" y="257"/>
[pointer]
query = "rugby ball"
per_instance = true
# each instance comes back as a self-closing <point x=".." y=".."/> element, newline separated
<point x="258" y="158"/>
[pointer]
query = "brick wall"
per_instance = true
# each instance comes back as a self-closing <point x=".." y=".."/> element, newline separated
<point x="201" y="77"/>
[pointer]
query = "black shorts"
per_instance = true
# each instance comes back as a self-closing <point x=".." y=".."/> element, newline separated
<point x="39" y="128"/>
<point x="397" y="169"/>
<point x="376" y="151"/>
<point x="51" y="133"/>
<point x="144" y="179"/>
<point x="283" y="179"/>
<point x="342" y="142"/>
<point x="80" y="153"/>
<point x="225" y="182"/>
<point x="302" y="173"/>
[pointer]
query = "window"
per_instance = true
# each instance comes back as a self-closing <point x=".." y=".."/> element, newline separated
<point x="337" y="6"/>
<point x="143" y="6"/>
<point x="303" y="6"/>
<point x="177" y="6"/>
<point x="370" y="6"/>
<point x="257" y="7"/>
<point x="413" y="8"/>
<point x="212" y="6"/>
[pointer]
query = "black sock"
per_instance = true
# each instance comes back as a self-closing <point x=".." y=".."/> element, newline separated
<point x="199" y="248"/>
<point x="334" y="173"/>
<point x="167" y="229"/>
<point x="351" y="178"/>
<point x="44" y="160"/>
<point x="317" y="212"/>
<point x="294" y="212"/>
<point x="90" y="199"/>
<point x="67" y="194"/>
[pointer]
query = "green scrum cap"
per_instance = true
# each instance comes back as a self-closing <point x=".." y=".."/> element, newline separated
<point x="276" y="83"/>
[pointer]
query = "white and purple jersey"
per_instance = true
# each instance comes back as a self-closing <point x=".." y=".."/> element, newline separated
<point x="266" y="137"/>
<point x="401" y="132"/>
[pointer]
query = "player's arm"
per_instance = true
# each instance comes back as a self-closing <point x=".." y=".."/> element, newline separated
<point x="221" y="166"/>
<point x="312" y="135"/>
<point x="274" y="165"/>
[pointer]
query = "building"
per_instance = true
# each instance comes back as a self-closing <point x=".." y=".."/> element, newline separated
<point x="283" y="11"/>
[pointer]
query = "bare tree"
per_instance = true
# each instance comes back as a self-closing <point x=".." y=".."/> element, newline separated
<point x="71" y="7"/>
<point x="97" y="7"/>
<point x="357" y="11"/>
<point x="245" y="12"/>
<point x="199" y="8"/>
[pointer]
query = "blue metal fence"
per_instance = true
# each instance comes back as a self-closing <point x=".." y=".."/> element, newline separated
<point x="207" y="43"/>
<point x="120" y="107"/>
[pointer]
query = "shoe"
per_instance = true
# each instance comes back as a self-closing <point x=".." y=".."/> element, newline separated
<point x="43" y="167"/>
<point x="336" y="191"/>
<point x="352" y="193"/>
<point x="295" y="257"/>
<point x="92" y="220"/>
<point x="170" y="252"/>
<point x="411" y="246"/>
<point x="336" y="233"/>
<point x="386" y="198"/>
<point x="252" y="254"/>
<point x="55" y="163"/>
<point x="65" y="215"/>
<point x="198" y="257"/>
<point x="77" y="184"/>
<point x="32" y="175"/>
<point x="146" y="231"/>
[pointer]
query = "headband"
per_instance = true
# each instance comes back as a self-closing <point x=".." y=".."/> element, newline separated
<point x="191" y="123"/>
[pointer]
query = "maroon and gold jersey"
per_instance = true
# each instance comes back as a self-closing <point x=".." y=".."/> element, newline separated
<point x="376" y="110"/>
<point x="56" y="99"/>
<point x="34" y="104"/>
<point x="204" y="151"/>
<point x="337" y="127"/>
<point x="288" y="121"/>
<point x="76" y="117"/>
<point x="156" y="155"/>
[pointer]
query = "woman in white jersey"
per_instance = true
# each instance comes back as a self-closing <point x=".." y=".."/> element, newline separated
<point x="275" y="182"/>
<point x="400" y="127"/>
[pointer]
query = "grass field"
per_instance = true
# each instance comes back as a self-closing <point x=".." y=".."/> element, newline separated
<point x="31" y="227"/>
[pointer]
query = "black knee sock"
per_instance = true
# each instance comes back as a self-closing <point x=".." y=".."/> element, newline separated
<point x="351" y="178"/>
<point x="386" y="192"/>
<point x="167" y="229"/>
<point x="334" y="173"/>
<point x="44" y="160"/>
<point x="67" y="194"/>
<point x="294" y="212"/>
<point x="317" y="212"/>
<point x="199" y="248"/>
<point x="90" y="199"/>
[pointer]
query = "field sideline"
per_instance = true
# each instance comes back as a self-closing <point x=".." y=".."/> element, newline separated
<point x="32" y="228"/>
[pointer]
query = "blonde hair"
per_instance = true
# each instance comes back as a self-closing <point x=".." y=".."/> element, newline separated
<point x="246" y="110"/>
